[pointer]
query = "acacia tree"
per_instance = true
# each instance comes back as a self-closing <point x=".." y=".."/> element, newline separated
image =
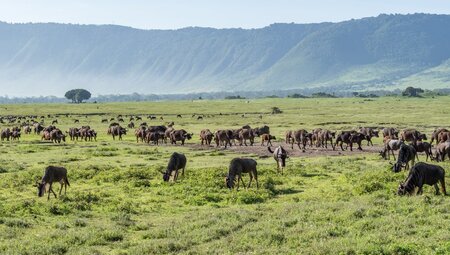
<point x="412" y="92"/>
<point x="78" y="95"/>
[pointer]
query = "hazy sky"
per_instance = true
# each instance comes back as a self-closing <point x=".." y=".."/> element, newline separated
<point x="169" y="14"/>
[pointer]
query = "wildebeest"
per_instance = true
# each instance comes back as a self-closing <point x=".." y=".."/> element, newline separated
<point x="179" y="116"/>
<point x="344" y="137"/>
<point x="246" y="134"/>
<point x="140" y="133"/>
<point x="325" y="136"/>
<point x="390" y="132"/>
<point x="239" y="166"/>
<point x="222" y="137"/>
<point x="301" y="138"/>
<point x="442" y="149"/>
<point x="104" y="120"/>
<point x="5" y="134"/>
<point x="406" y="154"/>
<point x="267" y="138"/>
<point x="368" y="134"/>
<point x="176" y="162"/>
<point x="206" y="136"/>
<point x="38" y="128"/>
<point x="435" y="134"/>
<point x="423" y="147"/>
<point x="74" y="133"/>
<point x="280" y="155"/>
<point x="289" y="136"/>
<point x="443" y="136"/>
<point x="53" y="174"/>
<point x="56" y="136"/>
<point x="54" y="122"/>
<point x="390" y="145"/>
<point x="420" y="174"/>
<point x="27" y="129"/>
<point x="356" y="138"/>
<point x="412" y="135"/>
<point x="15" y="135"/>
<point x="179" y="135"/>
<point x="131" y="125"/>
<point x="76" y="121"/>
<point x="117" y="131"/>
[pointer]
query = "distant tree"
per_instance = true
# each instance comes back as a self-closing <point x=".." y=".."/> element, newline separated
<point x="234" y="97"/>
<point x="296" y="95"/>
<point x="78" y="95"/>
<point x="412" y="92"/>
<point x="276" y="110"/>
<point x="322" y="95"/>
<point x="355" y="94"/>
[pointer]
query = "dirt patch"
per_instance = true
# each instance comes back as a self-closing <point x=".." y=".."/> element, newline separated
<point x="296" y="152"/>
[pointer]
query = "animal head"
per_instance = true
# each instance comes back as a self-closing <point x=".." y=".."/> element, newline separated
<point x="401" y="189"/>
<point x="397" y="167"/>
<point x="41" y="188"/>
<point x="376" y="133"/>
<point x="229" y="182"/>
<point x="166" y="175"/>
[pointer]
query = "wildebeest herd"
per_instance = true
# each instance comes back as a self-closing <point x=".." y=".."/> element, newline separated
<point x="408" y="143"/>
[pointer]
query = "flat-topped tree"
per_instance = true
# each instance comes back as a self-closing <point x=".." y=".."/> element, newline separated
<point x="78" y="95"/>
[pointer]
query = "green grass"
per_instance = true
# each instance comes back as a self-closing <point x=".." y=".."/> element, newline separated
<point x="118" y="203"/>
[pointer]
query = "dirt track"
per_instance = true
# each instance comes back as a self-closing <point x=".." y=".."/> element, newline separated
<point x="296" y="152"/>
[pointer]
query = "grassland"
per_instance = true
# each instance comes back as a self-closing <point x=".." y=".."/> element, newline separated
<point x="118" y="203"/>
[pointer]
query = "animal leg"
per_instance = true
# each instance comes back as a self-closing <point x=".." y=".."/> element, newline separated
<point x="60" y="190"/>
<point x="436" y="188"/>
<point x="442" y="181"/>
<point x="250" y="182"/>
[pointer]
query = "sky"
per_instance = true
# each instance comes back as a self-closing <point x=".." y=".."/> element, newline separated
<point x="173" y="14"/>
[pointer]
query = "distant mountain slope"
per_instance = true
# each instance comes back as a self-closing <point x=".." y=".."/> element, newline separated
<point x="384" y="52"/>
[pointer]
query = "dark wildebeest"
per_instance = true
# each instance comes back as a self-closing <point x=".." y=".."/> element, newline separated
<point x="131" y="125"/>
<point x="392" y="133"/>
<point x="15" y="135"/>
<point x="76" y="121"/>
<point x="74" y="133"/>
<point x="38" y="128"/>
<point x="104" y="120"/>
<point x="280" y="155"/>
<point x="423" y="147"/>
<point x="344" y="137"/>
<point x="443" y="136"/>
<point x="442" y="149"/>
<point x="420" y="174"/>
<point x="27" y="129"/>
<point x="199" y="118"/>
<point x="356" y="138"/>
<point x="117" y="131"/>
<point x="239" y="166"/>
<point x="412" y="135"/>
<point x="246" y="134"/>
<point x="152" y="137"/>
<point x="5" y="134"/>
<point x="138" y="118"/>
<point x="406" y="154"/>
<point x="57" y="135"/>
<point x="177" y="161"/>
<point x="53" y="174"/>
<point x="435" y="134"/>
<point x="206" y="136"/>
<point x="267" y="138"/>
<point x="390" y="145"/>
<point x="368" y="134"/>
<point x="54" y="122"/>
<point x="91" y="134"/>
<point x="325" y="136"/>
<point x="179" y="135"/>
<point x="301" y="138"/>
<point x="222" y="137"/>
<point x="179" y="116"/>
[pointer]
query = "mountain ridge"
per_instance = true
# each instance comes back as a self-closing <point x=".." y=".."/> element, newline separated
<point x="383" y="52"/>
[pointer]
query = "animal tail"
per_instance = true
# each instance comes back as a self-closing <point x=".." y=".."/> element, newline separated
<point x="269" y="149"/>
<point x="67" y="181"/>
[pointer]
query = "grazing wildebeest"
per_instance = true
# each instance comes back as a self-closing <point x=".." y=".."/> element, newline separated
<point x="356" y="138"/>
<point x="368" y="134"/>
<point x="199" y="118"/>
<point x="222" y="137"/>
<point x="246" y="134"/>
<point x="301" y="138"/>
<point x="104" y="120"/>
<point x="390" y="132"/>
<point x="27" y="129"/>
<point x="76" y="121"/>
<point x="5" y="134"/>
<point x="442" y="149"/>
<point x="176" y="162"/>
<point x="239" y="166"/>
<point x="206" y="136"/>
<point x="131" y="125"/>
<point x="179" y="116"/>
<point x="406" y="154"/>
<point x="412" y="135"/>
<point x="179" y="135"/>
<point x="53" y="174"/>
<point x="117" y="131"/>
<point x="420" y="174"/>
<point x="268" y="139"/>
<point x="138" y="118"/>
<point x="38" y="128"/>
<point x="15" y="135"/>
<point x="423" y="147"/>
<point x="390" y="145"/>
<point x="325" y="136"/>
<point x="280" y="155"/>
<point x="54" y="122"/>
<point x="435" y="134"/>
